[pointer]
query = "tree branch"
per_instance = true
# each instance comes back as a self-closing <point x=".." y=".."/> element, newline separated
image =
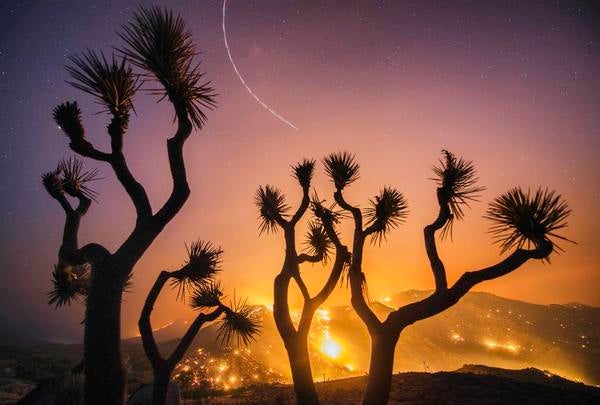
<point x="191" y="333"/>
<point x="333" y="236"/>
<point x="469" y="279"/>
<point x="437" y="266"/>
<point x="366" y="314"/>
<point x="145" y="325"/>
<point x="86" y="149"/>
<point x="306" y="317"/>
<point x="302" y="208"/>
<point x="281" y="309"/>
<point x="374" y="227"/>
<point x="302" y="286"/>
<point x="355" y="274"/>
<point x="84" y="204"/>
<point x="145" y="232"/>
<point x="306" y="258"/>
<point x="442" y="300"/>
<point x="134" y="189"/>
<point x="64" y="203"/>
<point x="181" y="189"/>
<point x="356" y="213"/>
<point x="69" y="252"/>
<point x="342" y="256"/>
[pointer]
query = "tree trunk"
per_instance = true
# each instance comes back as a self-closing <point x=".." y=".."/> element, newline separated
<point x="105" y="376"/>
<point x="160" y="387"/>
<point x="304" y="386"/>
<point x="380" y="371"/>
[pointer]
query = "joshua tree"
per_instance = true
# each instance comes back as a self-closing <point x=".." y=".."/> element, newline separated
<point x="158" y="43"/>
<point x="196" y="279"/>
<point x="320" y="238"/>
<point x="523" y="222"/>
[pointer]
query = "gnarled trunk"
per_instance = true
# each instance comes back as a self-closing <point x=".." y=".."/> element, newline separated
<point x="381" y="368"/>
<point x="296" y="344"/>
<point x="304" y="386"/>
<point x="105" y="376"/>
<point x="160" y="387"/>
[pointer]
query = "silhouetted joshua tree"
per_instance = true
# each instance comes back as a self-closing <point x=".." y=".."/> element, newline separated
<point x="320" y="238"/>
<point x="195" y="278"/>
<point x="158" y="43"/>
<point x="523" y="222"/>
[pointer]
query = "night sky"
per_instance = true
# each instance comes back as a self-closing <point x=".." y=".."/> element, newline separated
<point x="512" y="85"/>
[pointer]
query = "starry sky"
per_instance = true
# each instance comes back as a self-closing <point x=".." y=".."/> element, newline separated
<point x="511" y="85"/>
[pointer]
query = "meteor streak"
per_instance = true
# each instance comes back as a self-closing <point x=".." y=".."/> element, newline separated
<point x="237" y="72"/>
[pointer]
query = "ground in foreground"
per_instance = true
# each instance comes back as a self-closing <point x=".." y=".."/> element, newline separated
<point x="469" y="385"/>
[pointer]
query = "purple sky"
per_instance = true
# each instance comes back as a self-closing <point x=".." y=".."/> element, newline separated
<point x="511" y="85"/>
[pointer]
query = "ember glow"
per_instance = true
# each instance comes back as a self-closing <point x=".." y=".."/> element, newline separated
<point x="231" y="369"/>
<point x="494" y="345"/>
<point x="330" y="347"/>
<point x="483" y="329"/>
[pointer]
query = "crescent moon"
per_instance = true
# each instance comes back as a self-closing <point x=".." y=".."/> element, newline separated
<point x="237" y="72"/>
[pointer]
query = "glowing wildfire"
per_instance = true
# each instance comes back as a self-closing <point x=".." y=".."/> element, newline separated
<point x="233" y="369"/>
<point x="505" y="338"/>
<point x="329" y="347"/>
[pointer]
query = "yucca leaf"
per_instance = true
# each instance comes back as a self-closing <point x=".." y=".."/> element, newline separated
<point x="111" y="82"/>
<point x="53" y="183"/>
<point x="456" y="179"/>
<point x="203" y="263"/>
<point x="341" y="168"/>
<point x="75" y="178"/>
<point x="206" y="296"/>
<point x="317" y="242"/>
<point x="69" y="284"/>
<point x="271" y="203"/>
<point x="160" y="43"/>
<point x="241" y="324"/>
<point x="68" y="118"/>
<point x="303" y="172"/>
<point x="386" y="212"/>
<point x="524" y="219"/>
<point x="327" y="215"/>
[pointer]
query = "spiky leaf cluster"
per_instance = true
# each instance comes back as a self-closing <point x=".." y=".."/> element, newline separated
<point x="111" y="82"/>
<point x="524" y="219"/>
<point x="386" y="212"/>
<point x="456" y="179"/>
<point x="70" y="177"/>
<point x="271" y="203"/>
<point x="341" y="168"/>
<point x="66" y="286"/>
<point x="52" y="182"/>
<point x="327" y="215"/>
<point x="317" y="242"/>
<point x="206" y="296"/>
<point x="68" y="118"/>
<point x="203" y="263"/>
<point x="241" y="324"/>
<point x="160" y="43"/>
<point x="75" y="178"/>
<point x="303" y="172"/>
